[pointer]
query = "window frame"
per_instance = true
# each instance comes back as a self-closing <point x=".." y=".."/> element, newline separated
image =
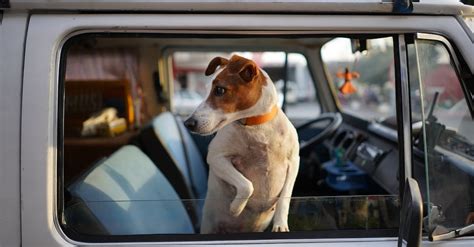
<point x="461" y="69"/>
<point x="83" y="238"/>
<point x="404" y="166"/>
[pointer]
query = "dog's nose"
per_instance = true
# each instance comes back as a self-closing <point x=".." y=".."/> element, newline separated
<point x="191" y="123"/>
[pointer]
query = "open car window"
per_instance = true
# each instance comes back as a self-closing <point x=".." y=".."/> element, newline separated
<point x="130" y="170"/>
<point x="294" y="83"/>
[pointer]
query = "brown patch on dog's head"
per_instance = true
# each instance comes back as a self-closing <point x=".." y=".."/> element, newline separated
<point x="215" y="62"/>
<point x="237" y="87"/>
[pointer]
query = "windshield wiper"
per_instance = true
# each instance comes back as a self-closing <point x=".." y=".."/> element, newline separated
<point x="451" y="234"/>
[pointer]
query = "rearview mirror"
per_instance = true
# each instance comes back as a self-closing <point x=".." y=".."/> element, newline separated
<point x="358" y="45"/>
<point x="411" y="215"/>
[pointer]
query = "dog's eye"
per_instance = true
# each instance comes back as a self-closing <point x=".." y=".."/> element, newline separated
<point x="219" y="91"/>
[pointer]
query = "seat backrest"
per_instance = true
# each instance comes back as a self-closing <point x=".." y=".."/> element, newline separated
<point x="199" y="169"/>
<point x="129" y="195"/>
<point x="180" y="145"/>
<point x="167" y="132"/>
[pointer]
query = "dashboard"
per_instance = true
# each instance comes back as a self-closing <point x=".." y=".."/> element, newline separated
<point x="372" y="151"/>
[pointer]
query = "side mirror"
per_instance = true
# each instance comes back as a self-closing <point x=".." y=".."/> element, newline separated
<point x="411" y="216"/>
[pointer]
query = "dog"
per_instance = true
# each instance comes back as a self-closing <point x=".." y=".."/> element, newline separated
<point x="254" y="157"/>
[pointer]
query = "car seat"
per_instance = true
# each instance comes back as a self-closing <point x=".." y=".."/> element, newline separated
<point x="198" y="169"/>
<point x="170" y="146"/>
<point x="126" y="194"/>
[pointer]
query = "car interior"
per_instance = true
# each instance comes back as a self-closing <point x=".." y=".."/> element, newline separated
<point x="141" y="172"/>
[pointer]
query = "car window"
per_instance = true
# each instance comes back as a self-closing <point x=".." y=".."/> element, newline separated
<point x="191" y="85"/>
<point x="446" y="138"/>
<point x="129" y="169"/>
<point x="371" y="91"/>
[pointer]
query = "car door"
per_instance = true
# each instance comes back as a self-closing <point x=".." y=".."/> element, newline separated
<point x="12" y="37"/>
<point x="42" y="106"/>
<point x="441" y="89"/>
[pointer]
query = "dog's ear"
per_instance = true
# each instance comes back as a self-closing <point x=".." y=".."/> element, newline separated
<point x="246" y="68"/>
<point x="248" y="72"/>
<point x="215" y="62"/>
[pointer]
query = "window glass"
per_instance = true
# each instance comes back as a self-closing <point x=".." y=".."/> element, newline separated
<point x="446" y="137"/>
<point x="191" y="85"/>
<point x="128" y="168"/>
<point x="371" y="71"/>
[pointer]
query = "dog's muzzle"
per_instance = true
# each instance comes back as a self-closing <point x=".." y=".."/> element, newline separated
<point x="191" y="124"/>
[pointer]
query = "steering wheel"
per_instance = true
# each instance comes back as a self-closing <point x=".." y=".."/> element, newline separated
<point x="335" y="120"/>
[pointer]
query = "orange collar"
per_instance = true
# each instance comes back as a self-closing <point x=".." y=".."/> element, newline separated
<point x="260" y="119"/>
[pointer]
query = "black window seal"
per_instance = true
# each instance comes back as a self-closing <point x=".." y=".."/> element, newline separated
<point x="287" y="237"/>
<point x="403" y="109"/>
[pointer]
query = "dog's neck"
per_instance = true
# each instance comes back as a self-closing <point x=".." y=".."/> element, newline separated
<point x="265" y="109"/>
<point x="260" y="119"/>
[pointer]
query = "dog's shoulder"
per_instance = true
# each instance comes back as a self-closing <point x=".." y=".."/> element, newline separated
<point x="223" y="139"/>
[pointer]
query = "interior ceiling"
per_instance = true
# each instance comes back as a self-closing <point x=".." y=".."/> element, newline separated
<point x="206" y="43"/>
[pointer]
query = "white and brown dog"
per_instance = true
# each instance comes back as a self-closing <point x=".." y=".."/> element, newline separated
<point x="254" y="157"/>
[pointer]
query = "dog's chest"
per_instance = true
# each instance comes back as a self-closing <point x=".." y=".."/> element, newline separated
<point x="262" y="149"/>
<point x="262" y="156"/>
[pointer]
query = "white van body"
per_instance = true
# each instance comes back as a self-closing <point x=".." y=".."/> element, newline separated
<point x="32" y="34"/>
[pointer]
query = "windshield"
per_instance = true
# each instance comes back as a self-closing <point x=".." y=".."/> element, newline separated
<point x="371" y="72"/>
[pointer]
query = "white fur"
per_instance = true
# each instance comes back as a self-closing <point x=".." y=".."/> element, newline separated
<point x="211" y="120"/>
<point x="252" y="168"/>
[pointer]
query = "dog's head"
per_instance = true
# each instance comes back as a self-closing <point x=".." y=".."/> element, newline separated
<point x="239" y="90"/>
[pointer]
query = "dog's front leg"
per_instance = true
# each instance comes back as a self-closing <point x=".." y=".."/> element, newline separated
<point x="225" y="170"/>
<point x="280" y="219"/>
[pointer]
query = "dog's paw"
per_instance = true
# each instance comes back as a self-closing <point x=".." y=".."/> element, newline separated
<point x="237" y="206"/>
<point x="280" y="228"/>
<point x="240" y="201"/>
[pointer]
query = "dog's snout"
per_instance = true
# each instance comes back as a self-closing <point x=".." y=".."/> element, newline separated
<point x="191" y="123"/>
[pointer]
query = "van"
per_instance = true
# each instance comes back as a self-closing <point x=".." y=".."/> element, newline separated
<point x="93" y="94"/>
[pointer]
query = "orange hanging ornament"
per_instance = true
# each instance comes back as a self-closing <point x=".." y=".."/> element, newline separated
<point x="348" y="87"/>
